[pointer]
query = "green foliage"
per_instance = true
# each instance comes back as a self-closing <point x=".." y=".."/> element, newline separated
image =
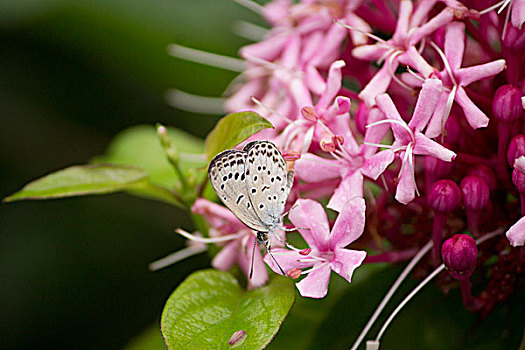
<point x="209" y="306"/>
<point x="140" y="146"/>
<point x="82" y="180"/>
<point x="233" y="129"/>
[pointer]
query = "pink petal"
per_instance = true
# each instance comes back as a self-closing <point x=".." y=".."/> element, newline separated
<point x="314" y="81"/>
<point x="469" y="75"/>
<point x="290" y="55"/>
<point x="346" y="261"/>
<point x="378" y="84"/>
<point x="406" y="187"/>
<point x="315" y="285"/>
<point x="312" y="42"/>
<point x="517" y="16"/>
<point x="516" y="234"/>
<point x="312" y="168"/>
<point x="287" y="259"/>
<point x="475" y="117"/>
<point x="386" y="105"/>
<point x="351" y="187"/>
<point x="414" y="59"/>
<point x="369" y="52"/>
<point x="375" y="133"/>
<point x="244" y="259"/>
<point x="227" y="256"/>
<point x="405" y="10"/>
<point x="331" y="46"/>
<point x="216" y="215"/>
<point x="426" y="103"/>
<point x="309" y="218"/>
<point x="349" y="224"/>
<point x="357" y="22"/>
<point x="438" y="21"/>
<point x="420" y="14"/>
<point x="300" y="93"/>
<point x="377" y="164"/>
<point x="268" y="49"/>
<point x="455" y="44"/>
<point x="435" y="126"/>
<point x="333" y="85"/>
<point x="427" y="147"/>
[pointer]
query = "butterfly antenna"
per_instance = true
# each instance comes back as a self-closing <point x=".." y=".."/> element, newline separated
<point x="280" y="268"/>
<point x="253" y="255"/>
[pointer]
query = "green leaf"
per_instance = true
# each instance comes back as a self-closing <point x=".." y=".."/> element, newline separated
<point x="209" y="306"/>
<point x="141" y="147"/>
<point x="81" y="180"/>
<point x="233" y="129"/>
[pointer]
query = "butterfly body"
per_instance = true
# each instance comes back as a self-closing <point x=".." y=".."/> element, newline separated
<point x="254" y="184"/>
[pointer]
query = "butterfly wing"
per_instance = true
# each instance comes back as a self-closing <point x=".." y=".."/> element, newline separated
<point x="228" y="178"/>
<point x="267" y="182"/>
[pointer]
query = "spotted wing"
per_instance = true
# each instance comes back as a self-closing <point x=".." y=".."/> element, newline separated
<point x="228" y="179"/>
<point x="267" y="181"/>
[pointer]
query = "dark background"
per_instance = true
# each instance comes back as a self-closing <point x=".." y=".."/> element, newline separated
<point x="72" y="75"/>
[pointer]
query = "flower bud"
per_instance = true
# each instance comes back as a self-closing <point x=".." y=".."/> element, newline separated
<point x="460" y="255"/>
<point x="516" y="149"/>
<point x="486" y="174"/>
<point x="506" y="104"/>
<point x="518" y="178"/>
<point x="444" y="196"/>
<point x="475" y="191"/>
<point x="437" y="167"/>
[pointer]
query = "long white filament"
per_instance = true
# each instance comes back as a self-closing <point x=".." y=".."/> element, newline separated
<point x="194" y="103"/>
<point x="203" y="57"/>
<point x="375" y="344"/>
<point x="391" y="292"/>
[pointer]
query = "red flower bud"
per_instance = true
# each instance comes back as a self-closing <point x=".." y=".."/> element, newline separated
<point x="444" y="196"/>
<point x="460" y="255"/>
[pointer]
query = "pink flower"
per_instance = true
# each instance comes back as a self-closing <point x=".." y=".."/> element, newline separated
<point x="412" y="26"/>
<point x="350" y="162"/>
<point x="237" y="241"/>
<point x="327" y="252"/>
<point x="409" y="139"/>
<point x="315" y="121"/>
<point x="455" y="78"/>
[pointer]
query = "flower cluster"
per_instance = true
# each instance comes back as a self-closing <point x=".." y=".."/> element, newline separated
<point x="414" y="108"/>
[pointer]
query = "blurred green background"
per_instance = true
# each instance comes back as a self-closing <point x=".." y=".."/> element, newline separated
<point x="75" y="73"/>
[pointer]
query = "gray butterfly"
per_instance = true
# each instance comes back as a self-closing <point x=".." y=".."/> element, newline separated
<point x="253" y="184"/>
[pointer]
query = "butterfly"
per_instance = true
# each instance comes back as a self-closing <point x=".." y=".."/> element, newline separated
<point x="254" y="184"/>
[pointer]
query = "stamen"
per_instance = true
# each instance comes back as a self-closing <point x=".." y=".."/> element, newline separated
<point x="176" y="257"/>
<point x="269" y="109"/>
<point x="393" y="74"/>
<point x="506" y="2"/>
<point x="395" y="121"/>
<point x="209" y="240"/>
<point x="424" y="282"/>
<point x="193" y="157"/>
<point x="445" y="62"/>
<point x="391" y="292"/>
<point x="504" y="32"/>
<point x="207" y="58"/>
<point x="496" y="5"/>
<point x="315" y="267"/>
<point x="370" y="35"/>
<point x="448" y="108"/>
<point x="194" y="103"/>
<point x="415" y="75"/>
<point x="249" y="31"/>
<point x="380" y="145"/>
<point x="411" y="163"/>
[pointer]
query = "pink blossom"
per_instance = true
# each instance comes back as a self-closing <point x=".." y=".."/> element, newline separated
<point x="455" y="78"/>
<point x="411" y="28"/>
<point x="409" y="140"/>
<point x="328" y="252"/>
<point x="238" y="246"/>
<point x="350" y="162"/>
